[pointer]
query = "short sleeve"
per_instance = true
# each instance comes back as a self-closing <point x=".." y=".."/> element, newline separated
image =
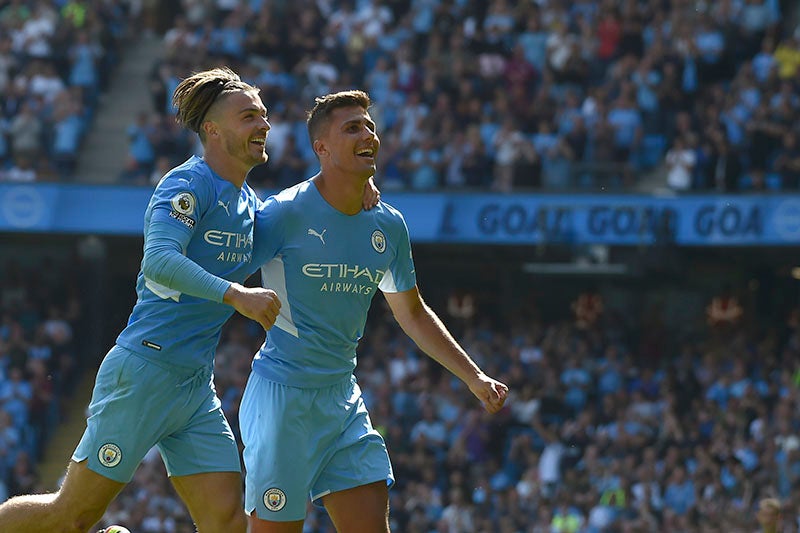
<point x="401" y="275"/>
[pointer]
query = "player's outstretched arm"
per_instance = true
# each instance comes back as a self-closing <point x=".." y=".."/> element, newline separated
<point x="261" y="305"/>
<point x="424" y="327"/>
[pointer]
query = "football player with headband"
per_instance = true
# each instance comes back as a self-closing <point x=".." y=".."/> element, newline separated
<point x="155" y="386"/>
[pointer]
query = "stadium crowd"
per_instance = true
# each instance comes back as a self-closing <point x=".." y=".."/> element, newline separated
<point x="41" y="322"/>
<point x="502" y="95"/>
<point x="56" y="57"/>
<point x="493" y="95"/>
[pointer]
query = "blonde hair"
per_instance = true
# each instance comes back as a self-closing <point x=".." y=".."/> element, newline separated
<point x="195" y="95"/>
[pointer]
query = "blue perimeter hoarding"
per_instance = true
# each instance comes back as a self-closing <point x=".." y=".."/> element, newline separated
<point x="613" y="219"/>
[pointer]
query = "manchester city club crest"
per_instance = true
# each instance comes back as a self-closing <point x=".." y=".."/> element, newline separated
<point x="379" y="241"/>
<point x="274" y="499"/>
<point x="109" y="455"/>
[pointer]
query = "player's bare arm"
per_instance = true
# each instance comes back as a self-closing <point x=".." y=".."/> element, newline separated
<point x="256" y="303"/>
<point x="430" y="334"/>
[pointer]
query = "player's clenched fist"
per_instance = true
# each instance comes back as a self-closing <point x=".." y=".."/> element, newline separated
<point x="261" y="305"/>
<point x="490" y="392"/>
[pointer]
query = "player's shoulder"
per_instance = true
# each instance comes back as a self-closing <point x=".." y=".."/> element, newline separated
<point x="292" y="198"/>
<point x="281" y="204"/>
<point x="295" y="192"/>
<point x="389" y="219"/>
<point x="388" y="212"/>
<point x="193" y="176"/>
<point x="192" y="173"/>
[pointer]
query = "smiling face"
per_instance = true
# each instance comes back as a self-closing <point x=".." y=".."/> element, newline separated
<point x="238" y="123"/>
<point x="348" y="143"/>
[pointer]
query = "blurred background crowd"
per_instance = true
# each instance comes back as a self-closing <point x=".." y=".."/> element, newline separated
<point x="55" y="60"/>
<point x="617" y="421"/>
<point x="42" y="322"/>
<point x="491" y="95"/>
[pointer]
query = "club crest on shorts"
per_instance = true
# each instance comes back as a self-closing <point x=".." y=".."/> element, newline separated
<point x="379" y="241"/>
<point x="110" y="455"/>
<point x="274" y="499"/>
<point x="183" y="203"/>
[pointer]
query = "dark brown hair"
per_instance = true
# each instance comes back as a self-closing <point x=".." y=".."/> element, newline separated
<point x="324" y="105"/>
<point x="195" y="95"/>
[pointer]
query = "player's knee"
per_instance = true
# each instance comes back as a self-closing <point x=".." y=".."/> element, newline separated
<point x="234" y="524"/>
<point x="78" y="516"/>
<point x="83" y="520"/>
<point x="238" y="522"/>
<point x="225" y="518"/>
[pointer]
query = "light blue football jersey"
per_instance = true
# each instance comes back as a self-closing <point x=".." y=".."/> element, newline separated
<point x="213" y="220"/>
<point x="325" y="267"/>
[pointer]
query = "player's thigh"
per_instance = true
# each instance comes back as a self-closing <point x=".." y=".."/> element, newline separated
<point x="202" y="460"/>
<point x="363" y="509"/>
<point x="264" y="526"/>
<point x="84" y="495"/>
<point x="213" y="497"/>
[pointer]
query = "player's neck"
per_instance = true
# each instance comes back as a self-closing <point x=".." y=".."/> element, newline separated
<point x="225" y="168"/>
<point x="343" y="193"/>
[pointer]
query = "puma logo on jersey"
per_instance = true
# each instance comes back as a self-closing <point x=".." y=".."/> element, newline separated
<point x="224" y="206"/>
<point x="312" y="231"/>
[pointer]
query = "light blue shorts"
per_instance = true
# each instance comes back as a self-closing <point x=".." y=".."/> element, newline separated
<point x="137" y="404"/>
<point x="302" y="443"/>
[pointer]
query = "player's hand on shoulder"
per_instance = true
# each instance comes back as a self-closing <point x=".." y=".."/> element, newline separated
<point x="257" y="303"/>
<point x="490" y="392"/>
<point x="371" y="195"/>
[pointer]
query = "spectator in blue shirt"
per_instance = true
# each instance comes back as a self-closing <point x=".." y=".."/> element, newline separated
<point x="680" y="492"/>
